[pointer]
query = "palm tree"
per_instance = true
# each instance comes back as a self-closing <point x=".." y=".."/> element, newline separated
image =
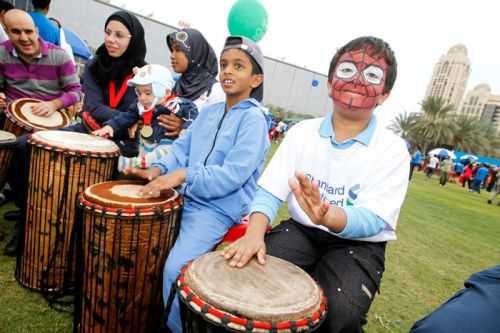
<point x="434" y="126"/>
<point x="403" y="124"/>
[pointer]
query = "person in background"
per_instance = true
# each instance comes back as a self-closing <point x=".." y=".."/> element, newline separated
<point x="416" y="158"/>
<point x="47" y="30"/>
<point x="432" y="166"/>
<point x="4" y="7"/>
<point x="458" y="170"/>
<point x="479" y="176"/>
<point x="153" y="85"/>
<point x="445" y="167"/>
<point x="193" y="58"/>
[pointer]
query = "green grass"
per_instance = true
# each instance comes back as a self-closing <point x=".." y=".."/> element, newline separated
<point x="445" y="235"/>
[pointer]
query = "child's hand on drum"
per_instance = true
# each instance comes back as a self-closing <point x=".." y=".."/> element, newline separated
<point x="149" y="174"/>
<point x="104" y="132"/>
<point x="44" y="109"/>
<point x="252" y="244"/>
<point x="169" y="181"/>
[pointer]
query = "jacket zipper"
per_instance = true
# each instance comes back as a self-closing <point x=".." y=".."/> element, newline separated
<point x="215" y="138"/>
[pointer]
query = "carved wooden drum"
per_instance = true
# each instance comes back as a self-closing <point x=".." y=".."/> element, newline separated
<point x="62" y="164"/>
<point x="21" y="120"/>
<point x="275" y="297"/>
<point x="125" y="242"/>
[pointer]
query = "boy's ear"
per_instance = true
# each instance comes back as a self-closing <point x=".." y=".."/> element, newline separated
<point x="257" y="80"/>
<point x="329" y="88"/>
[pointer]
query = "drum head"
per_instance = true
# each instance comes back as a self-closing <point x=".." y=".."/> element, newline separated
<point x="76" y="142"/>
<point x="20" y="110"/>
<point x="275" y="292"/>
<point x="7" y="139"/>
<point x="125" y="194"/>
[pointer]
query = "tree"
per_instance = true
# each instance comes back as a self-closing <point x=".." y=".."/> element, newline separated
<point x="403" y="125"/>
<point x="434" y="126"/>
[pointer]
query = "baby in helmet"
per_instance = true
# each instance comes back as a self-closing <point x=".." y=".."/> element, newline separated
<point x="153" y="86"/>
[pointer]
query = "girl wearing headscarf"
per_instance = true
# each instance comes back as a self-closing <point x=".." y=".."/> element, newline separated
<point x="193" y="57"/>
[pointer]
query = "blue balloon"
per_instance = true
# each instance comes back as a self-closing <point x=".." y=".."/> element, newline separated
<point x="315" y="83"/>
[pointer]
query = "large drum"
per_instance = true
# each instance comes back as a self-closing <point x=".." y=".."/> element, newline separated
<point x="7" y="143"/>
<point x="21" y="120"/>
<point x="62" y="164"/>
<point x="275" y="297"/>
<point x="125" y="242"/>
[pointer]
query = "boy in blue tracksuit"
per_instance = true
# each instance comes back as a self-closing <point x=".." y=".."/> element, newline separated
<point x="218" y="162"/>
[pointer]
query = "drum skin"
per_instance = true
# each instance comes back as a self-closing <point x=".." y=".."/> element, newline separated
<point x="275" y="297"/>
<point x="7" y="143"/>
<point x="62" y="164"/>
<point x="123" y="249"/>
<point x="20" y="120"/>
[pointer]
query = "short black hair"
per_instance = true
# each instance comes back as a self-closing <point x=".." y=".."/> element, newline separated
<point x="379" y="47"/>
<point x="5" y="6"/>
<point x="40" y="4"/>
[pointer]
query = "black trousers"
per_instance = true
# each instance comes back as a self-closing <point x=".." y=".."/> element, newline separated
<point x="349" y="271"/>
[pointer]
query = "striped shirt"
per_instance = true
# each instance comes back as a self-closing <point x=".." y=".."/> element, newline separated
<point x="51" y="75"/>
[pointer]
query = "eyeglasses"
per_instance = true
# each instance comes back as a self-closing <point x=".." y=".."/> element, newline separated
<point x="117" y="34"/>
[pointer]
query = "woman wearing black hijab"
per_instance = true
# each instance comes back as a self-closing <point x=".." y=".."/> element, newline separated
<point x="106" y="76"/>
<point x="193" y="57"/>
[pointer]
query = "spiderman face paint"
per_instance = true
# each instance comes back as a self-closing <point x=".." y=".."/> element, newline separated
<point x="358" y="80"/>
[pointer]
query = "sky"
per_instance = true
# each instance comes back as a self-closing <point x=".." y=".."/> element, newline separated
<point x="307" y="34"/>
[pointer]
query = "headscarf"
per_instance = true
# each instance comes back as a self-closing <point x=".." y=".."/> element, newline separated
<point x="203" y="67"/>
<point x="107" y="68"/>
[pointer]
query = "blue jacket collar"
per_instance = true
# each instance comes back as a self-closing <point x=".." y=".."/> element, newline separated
<point x="326" y="130"/>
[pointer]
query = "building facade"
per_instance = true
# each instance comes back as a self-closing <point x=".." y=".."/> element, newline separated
<point x="450" y="76"/>
<point x="290" y="87"/>
<point x="475" y="101"/>
<point x="491" y="112"/>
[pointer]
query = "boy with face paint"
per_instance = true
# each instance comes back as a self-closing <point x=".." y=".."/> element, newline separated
<point x="343" y="198"/>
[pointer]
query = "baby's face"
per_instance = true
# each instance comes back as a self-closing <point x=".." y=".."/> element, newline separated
<point x="145" y="95"/>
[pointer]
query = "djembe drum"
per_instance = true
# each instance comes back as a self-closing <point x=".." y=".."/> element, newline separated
<point x="21" y="120"/>
<point x="62" y="164"/>
<point x="125" y="242"/>
<point x="275" y="297"/>
<point x="7" y="143"/>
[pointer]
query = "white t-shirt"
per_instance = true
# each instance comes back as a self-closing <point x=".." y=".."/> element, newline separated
<point x="433" y="162"/>
<point x="373" y="176"/>
<point x="216" y="95"/>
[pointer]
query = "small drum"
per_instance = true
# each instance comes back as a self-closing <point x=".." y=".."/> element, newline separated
<point x="7" y="143"/>
<point x="62" y="164"/>
<point x="275" y="297"/>
<point x="21" y="120"/>
<point x="125" y="242"/>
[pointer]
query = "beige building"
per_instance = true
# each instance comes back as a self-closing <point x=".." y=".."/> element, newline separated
<point x="450" y="76"/>
<point x="492" y="111"/>
<point x="474" y="102"/>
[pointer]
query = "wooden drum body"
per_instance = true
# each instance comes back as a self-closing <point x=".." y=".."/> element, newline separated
<point x="62" y="164"/>
<point x="7" y="143"/>
<point x="125" y="243"/>
<point x="21" y="120"/>
<point x="275" y="297"/>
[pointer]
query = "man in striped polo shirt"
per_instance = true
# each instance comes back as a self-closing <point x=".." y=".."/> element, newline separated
<point x="31" y="67"/>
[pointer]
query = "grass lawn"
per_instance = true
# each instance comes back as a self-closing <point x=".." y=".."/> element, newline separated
<point x="445" y="235"/>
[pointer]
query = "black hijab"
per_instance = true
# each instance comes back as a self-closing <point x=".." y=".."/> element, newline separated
<point x="203" y="67"/>
<point x="107" y="68"/>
